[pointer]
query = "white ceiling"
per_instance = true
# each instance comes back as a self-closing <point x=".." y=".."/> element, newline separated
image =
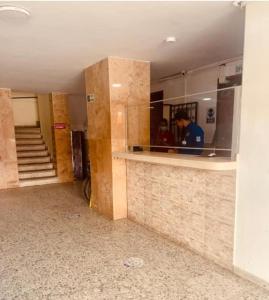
<point x="49" y="51"/>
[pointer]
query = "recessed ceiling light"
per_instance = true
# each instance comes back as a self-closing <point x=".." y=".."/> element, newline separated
<point x="240" y="4"/>
<point x="10" y="8"/>
<point x="170" y="39"/>
<point x="207" y="99"/>
<point x="116" y="85"/>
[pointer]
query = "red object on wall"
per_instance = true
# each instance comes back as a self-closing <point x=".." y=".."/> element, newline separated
<point x="59" y="125"/>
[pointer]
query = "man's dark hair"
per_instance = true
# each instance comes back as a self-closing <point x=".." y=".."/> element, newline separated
<point x="181" y="115"/>
<point x="164" y="121"/>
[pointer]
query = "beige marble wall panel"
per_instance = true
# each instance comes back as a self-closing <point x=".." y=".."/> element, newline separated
<point x="8" y="155"/>
<point x="193" y="207"/>
<point x="99" y="130"/>
<point x="62" y="137"/>
<point x="97" y="83"/>
<point x="134" y="78"/>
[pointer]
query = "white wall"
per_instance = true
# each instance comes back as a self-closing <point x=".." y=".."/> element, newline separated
<point x="198" y="81"/>
<point x="171" y="87"/>
<point x="25" y="109"/>
<point x="252" y="210"/>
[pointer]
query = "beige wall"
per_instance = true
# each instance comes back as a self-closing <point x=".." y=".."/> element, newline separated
<point x="45" y="111"/>
<point x="25" y="110"/>
<point x="107" y="127"/>
<point x="8" y="156"/>
<point x="252" y="212"/>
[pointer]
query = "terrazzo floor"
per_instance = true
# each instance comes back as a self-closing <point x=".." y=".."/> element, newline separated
<point x="53" y="247"/>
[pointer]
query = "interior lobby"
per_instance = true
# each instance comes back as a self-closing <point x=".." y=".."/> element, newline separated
<point x="133" y="150"/>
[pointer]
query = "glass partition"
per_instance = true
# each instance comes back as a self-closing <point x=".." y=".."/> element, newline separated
<point x="204" y="123"/>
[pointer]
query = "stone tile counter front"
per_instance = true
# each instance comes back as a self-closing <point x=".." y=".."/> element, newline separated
<point x="191" y="206"/>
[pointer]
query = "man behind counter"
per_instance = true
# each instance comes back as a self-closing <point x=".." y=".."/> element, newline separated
<point x="194" y="134"/>
<point x="164" y="137"/>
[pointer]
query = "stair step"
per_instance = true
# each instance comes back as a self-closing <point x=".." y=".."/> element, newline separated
<point x="32" y="153"/>
<point x="38" y="181"/>
<point x="28" y="136"/>
<point x="29" y="141"/>
<point x="35" y="167"/>
<point x="27" y="130"/>
<point x="36" y="174"/>
<point x="33" y="160"/>
<point x="31" y="147"/>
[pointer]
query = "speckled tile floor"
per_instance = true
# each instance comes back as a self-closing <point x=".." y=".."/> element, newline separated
<point x="53" y="247"/>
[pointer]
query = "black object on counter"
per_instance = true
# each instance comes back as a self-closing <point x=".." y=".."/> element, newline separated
<point x="137" y="148"/>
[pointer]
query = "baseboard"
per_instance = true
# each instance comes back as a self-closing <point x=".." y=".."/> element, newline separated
<point x="251" y="277"/>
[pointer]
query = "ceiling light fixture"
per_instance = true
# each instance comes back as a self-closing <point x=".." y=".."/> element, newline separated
<point x="14" y="9"/>
<point x="170" y="39"/>
<point x="239" y="4"/>
<point x="207" y="99"/>
<point x="116" y="85"/>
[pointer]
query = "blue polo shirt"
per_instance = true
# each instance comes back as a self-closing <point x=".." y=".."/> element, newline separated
<point x="194" y="137"/>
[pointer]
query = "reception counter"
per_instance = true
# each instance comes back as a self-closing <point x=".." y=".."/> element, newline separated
<point x="180" y="160"/>
<point x="189" y="199"/>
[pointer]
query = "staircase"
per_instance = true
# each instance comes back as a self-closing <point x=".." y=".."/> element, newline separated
<point x="34" y="161"/>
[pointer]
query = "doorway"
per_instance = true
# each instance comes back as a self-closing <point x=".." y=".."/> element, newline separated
<point x="156" y="114"/>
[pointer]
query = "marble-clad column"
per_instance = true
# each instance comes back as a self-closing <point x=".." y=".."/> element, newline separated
<point x="8" y="156"/>
<point x="62" y="137"/>
<point x="107" y="126"/>
<point x="134" y="78"/>
<point x="99" y="131"/>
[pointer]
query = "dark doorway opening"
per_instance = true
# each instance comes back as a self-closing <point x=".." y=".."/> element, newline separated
<point x="156" y="114"/>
